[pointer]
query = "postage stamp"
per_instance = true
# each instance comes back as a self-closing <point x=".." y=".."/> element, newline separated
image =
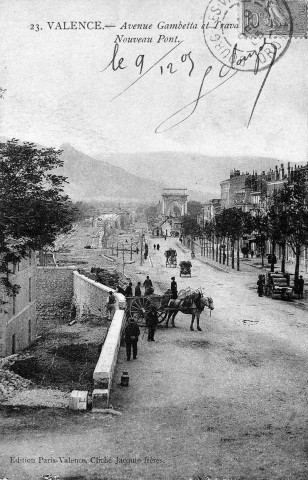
<point x="274" y="18"/>
<point x="234" y="49"/>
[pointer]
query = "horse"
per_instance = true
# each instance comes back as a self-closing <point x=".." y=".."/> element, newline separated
<point x="192" y="305"/>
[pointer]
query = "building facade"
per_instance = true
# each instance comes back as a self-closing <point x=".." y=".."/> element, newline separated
<point x="18" y="313"/>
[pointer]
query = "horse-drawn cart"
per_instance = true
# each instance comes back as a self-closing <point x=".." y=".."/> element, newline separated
<point x="140" y="307"/>
<point x="188" y="302"/>
<point x="278" y="284"/>
<point x="171" y="260"/>
<point x="185" y="268"/>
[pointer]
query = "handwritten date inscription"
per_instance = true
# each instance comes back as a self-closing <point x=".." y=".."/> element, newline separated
<point x="118" y="63"/>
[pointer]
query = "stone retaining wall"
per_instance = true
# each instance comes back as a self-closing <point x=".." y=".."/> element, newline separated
<point x="54" y="296"/>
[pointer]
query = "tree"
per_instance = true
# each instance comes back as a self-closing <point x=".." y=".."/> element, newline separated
<point x="34" y="208"/>
<point x="233" y="224"/>
<point x="194" y="208"/>
<point x="291" y="206"/>
<point x="261" y="229"/>
<point x="151" y="213"/>
<point x="83" y="210"/>
<point x="190" y="227"/>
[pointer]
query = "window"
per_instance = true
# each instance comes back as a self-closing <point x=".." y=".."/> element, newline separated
<point x="30" y="292"/>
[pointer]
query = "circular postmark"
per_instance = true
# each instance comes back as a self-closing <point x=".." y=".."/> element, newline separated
<point x="244" y="35"/>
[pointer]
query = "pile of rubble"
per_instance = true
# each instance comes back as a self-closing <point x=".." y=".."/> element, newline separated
<point x="110" y="278"/>
<point x="10" y="383"/>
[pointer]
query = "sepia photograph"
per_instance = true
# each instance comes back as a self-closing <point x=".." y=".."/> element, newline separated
<point x="153" y="240"/>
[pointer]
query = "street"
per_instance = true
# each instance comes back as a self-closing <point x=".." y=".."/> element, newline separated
<point x="230" y="401"/>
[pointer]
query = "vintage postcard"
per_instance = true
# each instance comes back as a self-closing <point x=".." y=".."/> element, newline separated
<point x="181" y="130"/>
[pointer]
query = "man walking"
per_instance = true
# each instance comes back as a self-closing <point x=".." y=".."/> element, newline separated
<point x="111" y="303"/>
<point x="174" y="289"/>
<point x="300" y="287"/>
<point x="152" y="321"/>
<point x="131" y="333"/>
<point x="260" y="286"/>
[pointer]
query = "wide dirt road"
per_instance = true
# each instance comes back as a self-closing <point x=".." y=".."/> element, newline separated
<point x="230" y="401"/>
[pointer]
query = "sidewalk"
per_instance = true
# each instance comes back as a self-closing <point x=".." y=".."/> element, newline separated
<point x="250" y="265"/>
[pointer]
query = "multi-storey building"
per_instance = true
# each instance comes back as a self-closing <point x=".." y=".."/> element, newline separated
<point x="252" y="191"/>
<point x="18" y="312"/>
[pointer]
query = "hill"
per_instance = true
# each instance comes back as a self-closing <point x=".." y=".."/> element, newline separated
<point x="195" y="172"/>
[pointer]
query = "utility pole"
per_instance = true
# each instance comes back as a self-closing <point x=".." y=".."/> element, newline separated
<point x="123" y="258"/>
<point x="141" y="250"/>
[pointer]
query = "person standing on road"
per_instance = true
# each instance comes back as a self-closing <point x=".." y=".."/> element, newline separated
<point x="260" y="286"/>
<point x="157" y="246"/>
<point x="148" y="282"/>
<point x="300" y="287"/>
<point x="154" y="246"/>
<point x="152" y="321"/>
<point x="131" y="334"/>
<point x="138" y="290"/>
<point x="111" y="306"/>
<point x="129" y="290"/>
<point x="174" y="289"/>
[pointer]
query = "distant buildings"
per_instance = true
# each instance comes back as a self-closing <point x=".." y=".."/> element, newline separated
<point x="18" y="313"/>
<point x="252" y="191"/>
<point x="171" y="209"/>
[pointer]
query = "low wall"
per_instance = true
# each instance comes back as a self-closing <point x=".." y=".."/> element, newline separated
<point x="91" y="297"/>
<point x="105" y="367"/>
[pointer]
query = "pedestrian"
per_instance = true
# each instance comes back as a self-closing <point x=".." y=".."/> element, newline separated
<point x="137" y="250"/>
<point x="154" y="246"/>
<point x="148" y="282"/>
<point x="138" y="290"/>
<point x="129" y="290"/>
<point x="165" y="237"/>
<point x="157" y="246"/>
<point x="152" y="321"/>
<point x="300" y="287"/>
<point x="260" y="284"/>
<point x="174" y="289"/>
<point x="131" y="334"/>
<point x="111" y="305"/>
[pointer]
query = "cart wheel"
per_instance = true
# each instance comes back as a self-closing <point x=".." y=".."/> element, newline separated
<point x="140" y="308"/>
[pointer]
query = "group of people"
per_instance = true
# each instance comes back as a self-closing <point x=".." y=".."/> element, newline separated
<point x="128" y="290"/>
<point x="156" y="247"/>
<point x="132" y="332"/>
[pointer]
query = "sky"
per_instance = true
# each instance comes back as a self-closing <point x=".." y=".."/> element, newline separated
<point x="59" y="87"/>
